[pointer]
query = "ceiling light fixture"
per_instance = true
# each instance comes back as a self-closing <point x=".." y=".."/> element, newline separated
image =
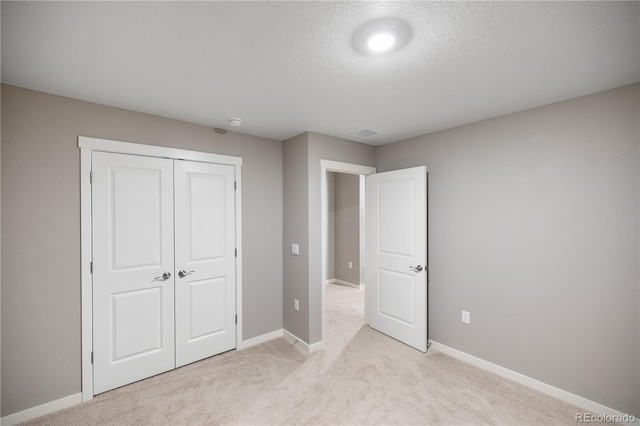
<point x="381" y="42"/>
<point x="381" y="36"/>
<point x="235" y="122"/>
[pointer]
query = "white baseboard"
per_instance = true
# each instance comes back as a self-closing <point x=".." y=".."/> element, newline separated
<point x="341" y="282"/>
<point x="302" y="345"/>
<point x="41" y="410"/>
<point x="259" y="339"/>
<point x="315" y="347"/>
<point x="563" y="395"/>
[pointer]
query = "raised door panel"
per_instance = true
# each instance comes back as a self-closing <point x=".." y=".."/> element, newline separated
<point x="396" y="217"/>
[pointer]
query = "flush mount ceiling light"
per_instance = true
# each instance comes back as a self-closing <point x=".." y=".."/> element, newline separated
<point x="381" y="42"/>
<point x="381" y="36"/>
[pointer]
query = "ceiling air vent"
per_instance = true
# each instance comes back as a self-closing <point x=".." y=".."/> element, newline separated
<point x="365" y="133"/>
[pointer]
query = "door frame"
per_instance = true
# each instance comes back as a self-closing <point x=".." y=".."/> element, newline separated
<point x="327" y="166"/>
<point x="87" y="145"/>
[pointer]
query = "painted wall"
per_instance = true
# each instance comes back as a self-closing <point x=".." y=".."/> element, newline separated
<point x="347" y="228"/>
<point x="41" y="231"/>
<point x="296" y="230"/>
<point x="534" y="229"/>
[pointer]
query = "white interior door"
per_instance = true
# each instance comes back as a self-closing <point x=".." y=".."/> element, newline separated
<point x="396" y="221"/>
<point x="133" y="299"/>
<point x="205" y="260"/>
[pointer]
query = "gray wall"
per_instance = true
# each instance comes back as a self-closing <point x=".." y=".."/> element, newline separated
<point x="534" y="229"/>
<point x="347" y="227"/>
<point x="41" y="231"/>
<point x="296" y="230"/>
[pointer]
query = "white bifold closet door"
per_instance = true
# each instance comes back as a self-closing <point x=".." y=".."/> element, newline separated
<point x="163" y="265"/>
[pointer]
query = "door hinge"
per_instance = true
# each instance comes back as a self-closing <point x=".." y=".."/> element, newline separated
<point x="235" y="185"/>
<point x="91" y="357"/>
<point x="91" y="177"/>
<point x="91" y="267"/>
<point x="236" y="252"/>
<point x="236" y="319"/>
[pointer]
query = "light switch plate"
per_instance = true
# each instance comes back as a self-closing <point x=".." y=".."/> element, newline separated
<point x="295" y="249"/>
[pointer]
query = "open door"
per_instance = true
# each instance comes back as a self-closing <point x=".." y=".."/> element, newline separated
<point x="396" y="221"/>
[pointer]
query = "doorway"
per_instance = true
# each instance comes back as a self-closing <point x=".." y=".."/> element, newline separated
<point x="345" y="278"/>
<point x="345" y="223"/>
<point x="357" y="173"/>
<point x="395" y="259"/>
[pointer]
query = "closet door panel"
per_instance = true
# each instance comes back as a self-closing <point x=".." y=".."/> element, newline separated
<point x="205" y="260"/>
<point x="133" y="299"/>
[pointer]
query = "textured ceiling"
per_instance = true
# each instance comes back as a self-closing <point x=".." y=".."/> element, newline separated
<point x="289" y="67"/>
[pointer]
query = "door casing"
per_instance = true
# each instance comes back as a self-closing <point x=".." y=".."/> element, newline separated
<point x="87" y="145"/>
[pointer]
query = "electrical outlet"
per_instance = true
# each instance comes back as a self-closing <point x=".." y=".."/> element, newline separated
<point x="466" y="317"/>
<point x="296" y="305"/>
<point x="350" y="265"/>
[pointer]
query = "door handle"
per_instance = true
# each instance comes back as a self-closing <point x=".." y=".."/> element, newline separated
<point x="164" y="277"/>
<point x="416" y="268"/>
<point x="182" y="273"/>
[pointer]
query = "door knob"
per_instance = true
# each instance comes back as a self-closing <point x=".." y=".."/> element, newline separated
<point x="164" y="277"/>
<point x="416" y="268"/>
<point x="182" y="273"/>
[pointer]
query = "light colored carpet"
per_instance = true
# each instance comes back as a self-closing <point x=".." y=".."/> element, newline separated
<point x="362" y="377"/>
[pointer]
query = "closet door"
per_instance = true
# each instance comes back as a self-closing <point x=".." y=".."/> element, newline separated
<point x="133" y="269"/>
<point x="205" y="260"/>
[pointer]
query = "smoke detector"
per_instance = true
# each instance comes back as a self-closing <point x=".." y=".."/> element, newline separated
<point x="235" y="122"/>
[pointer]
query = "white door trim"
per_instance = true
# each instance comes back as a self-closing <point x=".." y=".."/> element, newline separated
<point x="337" y="167"/>
<point x="87" y="145"/>
<point x="118" y="147"/>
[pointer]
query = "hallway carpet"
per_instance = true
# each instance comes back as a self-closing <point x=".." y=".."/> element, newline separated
<point x="361" y="377"/>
